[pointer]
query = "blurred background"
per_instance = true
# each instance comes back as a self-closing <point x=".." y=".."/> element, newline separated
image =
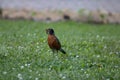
<point x="97" y="11"/>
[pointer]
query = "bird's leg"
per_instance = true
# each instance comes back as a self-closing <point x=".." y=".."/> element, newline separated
<point x="54" y="55"/>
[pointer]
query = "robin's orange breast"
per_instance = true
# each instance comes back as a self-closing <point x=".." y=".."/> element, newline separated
<point x="53" y="42"/>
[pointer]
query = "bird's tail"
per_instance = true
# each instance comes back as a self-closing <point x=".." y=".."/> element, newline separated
<point x="62" y="51"/>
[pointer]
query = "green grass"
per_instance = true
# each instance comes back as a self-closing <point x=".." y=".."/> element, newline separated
<point x="93" y="51"/>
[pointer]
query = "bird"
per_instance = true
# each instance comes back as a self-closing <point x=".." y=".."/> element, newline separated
<point x="53" y="41"/>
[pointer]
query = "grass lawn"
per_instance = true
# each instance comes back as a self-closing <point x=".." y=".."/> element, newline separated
<point x="93" y="51"/>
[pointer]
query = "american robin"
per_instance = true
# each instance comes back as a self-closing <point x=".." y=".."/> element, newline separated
<point x="53" y="41"/>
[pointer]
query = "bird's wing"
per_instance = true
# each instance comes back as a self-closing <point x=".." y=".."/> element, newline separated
<point x="56" y="43"/>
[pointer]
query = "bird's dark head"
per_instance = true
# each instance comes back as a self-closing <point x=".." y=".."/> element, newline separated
<point x="50" y="31"/>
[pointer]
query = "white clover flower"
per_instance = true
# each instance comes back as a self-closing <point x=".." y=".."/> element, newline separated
<point x="110" y="52"/>
<point x="108" y="79"/>
<point x="77" y="56"/>
<point x="13" y="68"/>
<point x="105" y="47"/>
<point x="9" y="47"/>
<point x="20" y="76"/>
<point x="4" y="72"/>
<point x="20" y="47"/>
<point x="98" y="56"/>
<point x="87" y="75"/>
<point x="30" y="70"/>
<point x="34" y="34"/>
<point x="38" y="74"/>
<point x="116" y="66"/>
<point x="60" y="75"/>
<point x="82" y="69"/>
<point x="37" y="43"/>
<point x="97" y="36"/>
<point x="117" y="52"/>
<point x="49" y="69"/>
<point x="36" y="79"/>
<point x="21" y="67"/>
<point x="6" y="54"/>
<point x="26" y="64"/>
<point x="38" y="47"/>
<point x="21" y="35"/>
<point x="28" y="34"/>
<point x="63" y="77"/>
